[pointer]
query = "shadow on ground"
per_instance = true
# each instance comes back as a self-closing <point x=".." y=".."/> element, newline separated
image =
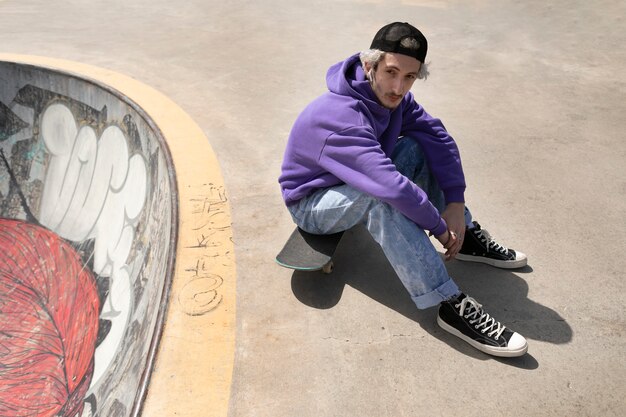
<point x="504" y="293"/>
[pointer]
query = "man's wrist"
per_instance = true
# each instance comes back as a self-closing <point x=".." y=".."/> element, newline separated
<point x="456" y="204"/>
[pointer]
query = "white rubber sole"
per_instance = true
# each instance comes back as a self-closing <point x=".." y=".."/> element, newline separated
<point x="517" y="263"/>
<point x="517" y="345"/>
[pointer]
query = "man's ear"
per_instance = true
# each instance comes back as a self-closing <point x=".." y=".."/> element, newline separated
<point x="369" y="71"/>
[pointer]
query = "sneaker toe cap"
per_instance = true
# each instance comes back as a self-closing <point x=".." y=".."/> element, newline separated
<point x="520" y="256"/>
<point x="517" y="343"/>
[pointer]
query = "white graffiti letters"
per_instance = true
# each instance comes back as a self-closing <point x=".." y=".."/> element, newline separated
<point x="95" y="190"/>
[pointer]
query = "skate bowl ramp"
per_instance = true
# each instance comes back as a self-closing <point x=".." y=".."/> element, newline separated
<point x="117" y="271"/>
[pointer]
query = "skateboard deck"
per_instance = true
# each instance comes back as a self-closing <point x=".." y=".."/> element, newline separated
<point x="308" y="252"/>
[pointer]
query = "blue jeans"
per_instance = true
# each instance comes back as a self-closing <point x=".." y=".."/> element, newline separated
<point x="406" y="246"/>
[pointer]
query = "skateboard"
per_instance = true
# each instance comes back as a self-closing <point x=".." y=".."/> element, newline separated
<point x="308" y="252"/>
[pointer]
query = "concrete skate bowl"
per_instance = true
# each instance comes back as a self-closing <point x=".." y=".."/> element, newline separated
<point x="115" y="257"/>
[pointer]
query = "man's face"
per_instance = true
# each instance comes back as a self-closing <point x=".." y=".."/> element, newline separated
<point x="393" y="78"/>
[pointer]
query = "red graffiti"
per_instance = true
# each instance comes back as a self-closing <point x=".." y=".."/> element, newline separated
<point x="48" y="323"/>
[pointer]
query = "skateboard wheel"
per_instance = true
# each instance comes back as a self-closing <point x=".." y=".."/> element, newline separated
<point x="328" y="268"/>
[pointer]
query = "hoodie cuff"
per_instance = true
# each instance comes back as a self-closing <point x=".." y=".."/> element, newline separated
<point x="440" y="228"/>
<point x="454" y="195"/>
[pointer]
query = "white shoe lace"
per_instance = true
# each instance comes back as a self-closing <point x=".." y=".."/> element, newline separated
<point x="491" y="244"/>
<point x="475" y="314"/>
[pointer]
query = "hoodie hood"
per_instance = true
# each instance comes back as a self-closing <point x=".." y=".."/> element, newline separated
<point x="347" y="78"/>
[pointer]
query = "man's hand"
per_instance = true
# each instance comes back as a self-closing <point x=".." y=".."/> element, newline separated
<point x="449" y="240"/>
<point x="454" y="215"/>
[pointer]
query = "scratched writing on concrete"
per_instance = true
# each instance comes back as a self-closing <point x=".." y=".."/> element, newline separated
<point x="210" y="225"/>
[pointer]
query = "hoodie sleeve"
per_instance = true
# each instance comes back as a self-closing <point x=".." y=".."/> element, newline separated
<point x="440" y="149"/>
<point x="355" y="157"/>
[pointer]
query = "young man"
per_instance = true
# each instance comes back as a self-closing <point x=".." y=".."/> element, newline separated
<point x="366" y="153"/>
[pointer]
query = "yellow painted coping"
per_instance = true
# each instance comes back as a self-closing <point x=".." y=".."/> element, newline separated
<point x="194" y="363"/>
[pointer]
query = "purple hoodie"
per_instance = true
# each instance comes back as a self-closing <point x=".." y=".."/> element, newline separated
<point x="346" y="137"/>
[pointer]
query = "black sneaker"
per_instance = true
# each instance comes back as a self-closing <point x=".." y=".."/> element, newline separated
<point x="479" y="246"/>
<point x="465" y="318"/>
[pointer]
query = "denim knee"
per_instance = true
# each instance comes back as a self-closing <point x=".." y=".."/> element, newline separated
<point x="332" y="210"/>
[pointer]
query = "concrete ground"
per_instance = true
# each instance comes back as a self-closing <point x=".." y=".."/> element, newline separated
<point x="535" y="94"/>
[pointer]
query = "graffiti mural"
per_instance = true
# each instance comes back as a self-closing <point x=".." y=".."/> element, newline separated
<point x="86" y="246"/>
